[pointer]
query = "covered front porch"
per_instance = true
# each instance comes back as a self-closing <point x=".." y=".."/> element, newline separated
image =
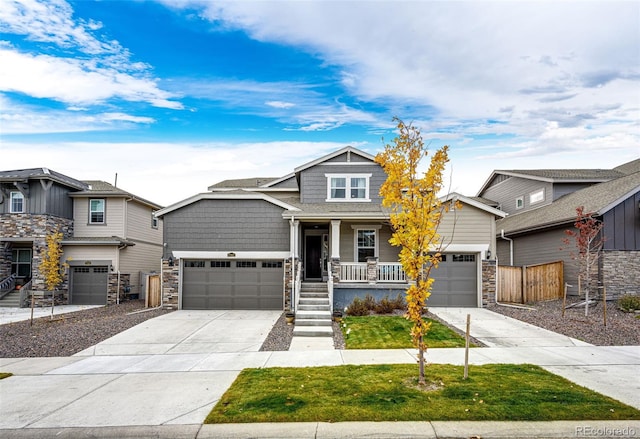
<point x="345" y="251"/>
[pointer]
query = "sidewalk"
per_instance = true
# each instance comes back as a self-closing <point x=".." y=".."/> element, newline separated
<point x="10" y="315"/>
<point x="165" y="375"/>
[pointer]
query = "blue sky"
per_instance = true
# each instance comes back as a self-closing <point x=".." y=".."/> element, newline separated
<point x="175" y="95"/>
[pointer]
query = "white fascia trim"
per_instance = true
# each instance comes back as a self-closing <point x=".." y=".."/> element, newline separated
<point x="465" y="248"/>
<point x="187" y="254"/>
<point x="336" y="216"/>
<point x="279" y="180"/>
<point x="474" y="203"/>
<point x="246" y="195"/>
<point x="335" y="154"/>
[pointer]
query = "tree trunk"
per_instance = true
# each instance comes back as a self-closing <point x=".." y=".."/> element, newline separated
<point x="421" y="378"/>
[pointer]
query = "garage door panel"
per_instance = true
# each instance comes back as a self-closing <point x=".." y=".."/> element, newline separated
<point x="232" y="285"/>
<point x="455" y="281"/>
<point x="89" y="285"/>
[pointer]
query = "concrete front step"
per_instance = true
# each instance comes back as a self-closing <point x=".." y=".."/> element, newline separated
<point x="314" y="308"/>
<point x="313" y="331"/>
<point x="314" y="301"/>
<point x="313" y="322"/>
<point x="306" y="314"/>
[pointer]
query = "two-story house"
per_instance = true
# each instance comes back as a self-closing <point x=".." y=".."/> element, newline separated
<point x="110" y="236"/>
<point x="541" y="206"/>
<point x="250" y="243"/>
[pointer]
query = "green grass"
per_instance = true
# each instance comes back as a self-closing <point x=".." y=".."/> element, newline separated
<point x="393" y="332"/>
<point x="4" y="375"/>
<point x="389" y="393"/>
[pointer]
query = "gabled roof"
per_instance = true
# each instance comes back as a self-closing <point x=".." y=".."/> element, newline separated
<point x="98" y="188"/>
<point x="567" y="175"/>
<point x="475" y="202"/>
<point x="597" y="199"/>
<point x="239" y="194"/>
<point x="41" y="174"/>
<point x="347" y="149"/>
<point x="242" y="183"/>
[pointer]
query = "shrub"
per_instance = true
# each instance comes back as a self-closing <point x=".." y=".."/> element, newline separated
<point x="629" y="303"/>
<point x="399" y="303"/>
<point x="357" y="308"/>
<point x="384" y="306"/>
<point x="370" y="302"/>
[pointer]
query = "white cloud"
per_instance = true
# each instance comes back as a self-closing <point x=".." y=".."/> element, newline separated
<point x="465" y="61"/>
<point x="75" y="81"/>
<point x="165" y="173"/>
<point x="17" y="118"/>
<point x="280" y="104"/>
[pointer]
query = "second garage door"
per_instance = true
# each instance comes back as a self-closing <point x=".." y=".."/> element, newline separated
<point x="456" y="281"/>
<point x="89" y="285"/>
<point x="226" y="284"/>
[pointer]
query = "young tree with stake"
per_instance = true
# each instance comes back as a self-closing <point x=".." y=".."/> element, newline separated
<point x="415" y="215"/>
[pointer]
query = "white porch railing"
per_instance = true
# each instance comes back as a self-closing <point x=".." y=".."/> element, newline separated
<point x="353" y="272"/>
<point x="391" y="272"/>
<point x="384" y="272"/>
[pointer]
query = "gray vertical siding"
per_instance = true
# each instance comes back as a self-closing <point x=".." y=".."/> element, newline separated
<point x="55" y="201"/>
<point x="622" y="225"/>
<point x="561" y="189"/>
<point x="227" y="225"/>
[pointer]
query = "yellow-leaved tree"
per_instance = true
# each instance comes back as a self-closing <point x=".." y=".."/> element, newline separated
<point x="50" y="266"/>
<point x="415" y="215"/>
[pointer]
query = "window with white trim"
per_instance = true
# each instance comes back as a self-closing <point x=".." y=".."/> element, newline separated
<point x="519" y="202"/>
<point x="97" y="211"/>
<point x="17" y="202"/>
<point x="536" y="197"/>
<point x="365" y="244"/>
<point x="348" y="187"/>
<point x="154" y="221"/>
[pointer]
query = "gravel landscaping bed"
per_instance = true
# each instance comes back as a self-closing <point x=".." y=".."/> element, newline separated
<point x="70" y="333"/>
<point x="623" y="329"/>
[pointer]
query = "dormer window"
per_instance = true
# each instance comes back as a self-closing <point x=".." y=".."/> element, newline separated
<point x="17" y="202"/>
<point x="348" y="187"/>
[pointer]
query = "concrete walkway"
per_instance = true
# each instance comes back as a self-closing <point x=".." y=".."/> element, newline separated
<point x="10" y="315"/>
<point x="167" y="373"/>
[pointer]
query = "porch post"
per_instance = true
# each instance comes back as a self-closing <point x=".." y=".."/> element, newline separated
<point x="335" y="250"/>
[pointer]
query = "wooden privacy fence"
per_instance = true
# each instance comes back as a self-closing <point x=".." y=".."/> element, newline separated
<point x="531" y="283"/>
<point x="153" y="293"/>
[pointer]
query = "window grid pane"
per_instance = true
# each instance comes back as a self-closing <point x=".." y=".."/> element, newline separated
<point x="366" y="243"/>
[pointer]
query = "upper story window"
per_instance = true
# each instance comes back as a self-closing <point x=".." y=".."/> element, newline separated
<point x="154" y="221"/>
<point x="17" y="202"/>
<point x="348" y="187"/>
<point x="536" y="197"/>
<point x="519" y="202"/>
<point x="97" y="211"/>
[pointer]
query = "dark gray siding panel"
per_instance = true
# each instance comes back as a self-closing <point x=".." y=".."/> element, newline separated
<point x="313" y="183"/>
<point x="227" y="225"/>
<point x="507" y="191"/>
<point x="289" y="183"/>
<point x="561" y="189"/>
<point x="541" y="248"/>
<point x="622" y="225"/>
<point x="54" y="201"/>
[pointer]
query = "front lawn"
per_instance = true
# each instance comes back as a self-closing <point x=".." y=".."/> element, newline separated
<point x="389" y="393"/>
<point x="393" y="332"/>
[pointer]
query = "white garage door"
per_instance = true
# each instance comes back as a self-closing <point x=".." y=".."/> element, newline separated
<point x="455" y="281"/>
<point x="226" y="284"/>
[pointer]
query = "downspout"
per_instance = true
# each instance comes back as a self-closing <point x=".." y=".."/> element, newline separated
<point x="293" y="261"/>
<point x="510" y="246"/>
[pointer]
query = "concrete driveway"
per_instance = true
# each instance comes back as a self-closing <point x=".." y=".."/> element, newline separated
<point x="138" y="376"/>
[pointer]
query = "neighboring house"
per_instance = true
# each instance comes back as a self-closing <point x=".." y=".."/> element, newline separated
<point x="109" y="236"/>
<point x="542" y="206"/>
<point x="232" y="247"/>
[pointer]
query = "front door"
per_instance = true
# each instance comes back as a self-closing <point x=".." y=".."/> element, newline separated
<point x="313" y="257"/>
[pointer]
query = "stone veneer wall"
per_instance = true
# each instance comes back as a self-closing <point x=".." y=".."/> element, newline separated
<point x="170" y="280"/>
<point x="35" y="228"/>
<point x="113" y="290"/>
<point x="620" y="272"/>
<point x="489" y="271"/>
